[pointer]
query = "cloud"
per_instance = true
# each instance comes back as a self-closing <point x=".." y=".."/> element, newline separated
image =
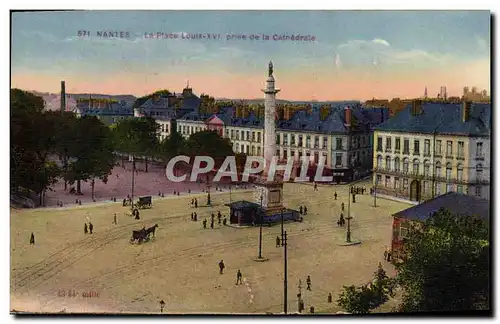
<point x="363" y="43"/>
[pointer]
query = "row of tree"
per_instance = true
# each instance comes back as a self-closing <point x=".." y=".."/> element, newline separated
<point x="50" y="145"/>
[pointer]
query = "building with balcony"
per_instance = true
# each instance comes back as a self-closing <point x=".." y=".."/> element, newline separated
<point x="430" y="149"/>
<point x="343" y="136"/>
<point x="456" y="203"/>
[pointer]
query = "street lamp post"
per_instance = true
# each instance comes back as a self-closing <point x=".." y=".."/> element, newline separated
<point x="162" y="304"/>
<point x="285" y="280"/>
<point x="375" y="192"/>
<point x="282" y="221"/>
<point x="230" y="198"/>
<point x="348" y="237"/>
<point x="133" y="181"/>
<point x="260" y="233"/>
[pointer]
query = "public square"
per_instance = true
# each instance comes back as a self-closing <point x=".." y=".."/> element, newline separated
<point x="180" y="265"/>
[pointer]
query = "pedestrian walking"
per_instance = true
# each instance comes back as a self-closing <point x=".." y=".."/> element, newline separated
<point x="192" y="202"/>
<point x="389" y="255"/>
<point x="385" y="255"/>
<point x="308" y="282"/>
<point x="300" y="210"/>
<point x="335" y="195"/>
<point x="195" y="203"/>
<point x="85" y="229"/>
<point x="315" y="186"/>
<point x="342" y="206"/>
<point x="212" y="224"/>
<point x="329" y="297"/>
<point x="278" y="241"/>
<point x="239" y="277"/>
<point x="205" y="223"/>
<point x="195" y="217"/>
<point x="305" y="210"/>
<point x="114" y="219"/>
<point x="32" y="239"/>
<point x="91" y="227"/>
<point x="224" y="221"/>
<point x="221" y="266"/>
<point x="192" y="216"/>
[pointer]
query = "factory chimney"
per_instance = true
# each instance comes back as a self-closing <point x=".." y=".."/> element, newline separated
<point x="63" y="96"/>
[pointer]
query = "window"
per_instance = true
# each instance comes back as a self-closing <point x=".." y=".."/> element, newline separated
<point x="300" y="140"/>
<point x="438" y="189"/>
<point x="293" y="140"/>
<point x="460" y="150"/>
<point x="325" y="142"/>
<point x="416" y="147"/>
<point x="396" y="164"/>
<point x="308" y="141"/>
<point x="398" y="144"/>
<point x="416" y="166"/>
<point x="479" y="191"/>
<point x="238" y="135"/>
<point x="479" y="150"/>
<point x="426" y="187"/>
<point x="387" y="181"/>
<point x="449" y="149"/>
<point x="396" y="183"/>
<point x="405" y="165"/>
<point x="339" y="144"/>
<point x="378" y="179"/>
<point x="258" y="136"/>
<point x="405" y="184"/>
<point x="285" y="139"/>
<point x="449" y="187"/>
<point x="258" y="150"/>
<point x="448" y="171"/>
<point x="338" y="159"/>
<point x="388" y="163"/>
<point x="248" y="149"/>
<point x="278" y="139"/>
<point x="438" y="169"/>
<point x="406" y="146"/>
<point x="253" y="150"/>
<point x="479" y="172"/>
<point x="460" y="172"/>
<point x="427" y="168"/>
<point x="316" y="142"/>
<point x="248" y="135"/>
<point x="388" y="144"/>
<point x="232" y="133"/>
<point x="379" y="162"/>
<point x="460" y="188"/>
<point x="237" y="147"/>
<point x="379" y="144"/>
<point x="427" y="147"/>
<point x="253" y="136"/>
<point x="438" y="148"/>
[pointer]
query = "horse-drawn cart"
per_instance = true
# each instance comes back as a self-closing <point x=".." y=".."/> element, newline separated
<point x="144" y="202"/>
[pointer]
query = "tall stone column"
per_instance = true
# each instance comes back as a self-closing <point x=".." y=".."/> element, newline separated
<point x="269" y="118"/>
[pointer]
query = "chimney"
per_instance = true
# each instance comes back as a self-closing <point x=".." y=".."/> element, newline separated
<point x="466" y="110"/>
<point x="63" y="96"/>
<point x="381" y="114"/>
<point x="416" y="107"/>
<point x="347" y="116"/>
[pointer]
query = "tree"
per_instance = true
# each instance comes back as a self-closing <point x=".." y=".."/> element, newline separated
<point x="137" y="137"/>
<point x="172" y="146"/>
<point x="361" y="300"/>
<point x="33" y="141"/>
<point x="92" y="153"/>
<point x="446" y="264"/>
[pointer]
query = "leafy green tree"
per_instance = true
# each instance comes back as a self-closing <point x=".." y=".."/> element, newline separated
<point x="33" y="141"/>
<point x="171" y="146"/>
<point x="446" y="265"/>
<point x="92" y="153"/>
<point x="209" y="143"/>
<point x="361" y="300"/>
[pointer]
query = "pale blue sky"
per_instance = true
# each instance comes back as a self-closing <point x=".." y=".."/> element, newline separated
<point x="45" y="43"/>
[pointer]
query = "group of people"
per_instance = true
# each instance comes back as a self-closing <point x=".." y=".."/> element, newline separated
<point x="358" y="190"/>
<point x="194" y="202"/>
<point x="161" y="194"/>
<point x="127" y="201"/>
<point x="341" y="221"/>
<point x="388" y="255"/>
<point x="303" y="210"/>
<point x="239" y="275"/>
<point x="88" y="229"/>
<point x="212" y="220"/>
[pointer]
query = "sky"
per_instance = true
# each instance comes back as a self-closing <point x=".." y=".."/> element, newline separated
<point x="355" y="55"/>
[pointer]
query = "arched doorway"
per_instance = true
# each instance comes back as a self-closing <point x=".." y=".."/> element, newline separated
<point x="415" y="190"/>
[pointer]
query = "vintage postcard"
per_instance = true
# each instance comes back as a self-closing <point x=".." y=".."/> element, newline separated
<point x="250" y="162"/>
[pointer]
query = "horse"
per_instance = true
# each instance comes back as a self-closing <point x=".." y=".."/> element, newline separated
<point x="151" y="230"/>
<point x="138" y="235"/>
